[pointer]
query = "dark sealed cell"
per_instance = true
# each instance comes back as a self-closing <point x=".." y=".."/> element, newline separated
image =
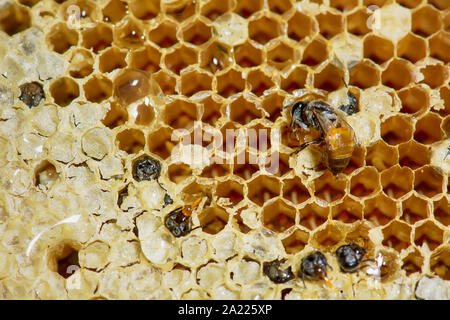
<point x="31" y="93"/>
<point x="146" y="168"/>
<point x="275" y="273"/>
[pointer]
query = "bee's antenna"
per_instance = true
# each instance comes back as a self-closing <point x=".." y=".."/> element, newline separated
<point x="203" y="226"/>
<point x="345" y="83"/>
<point x="364" y="264"/>
<point x="367" y="260"/>
<point x="197" y="228"/>
<point x="157" y="180"/>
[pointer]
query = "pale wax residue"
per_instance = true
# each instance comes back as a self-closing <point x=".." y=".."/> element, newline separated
<point x="72" y="219"/>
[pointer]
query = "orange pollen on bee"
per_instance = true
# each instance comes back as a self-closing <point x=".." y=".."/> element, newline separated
<point x="329" y="284"/>
<point x="340" y="137"/>
<point x="187" y="210"/>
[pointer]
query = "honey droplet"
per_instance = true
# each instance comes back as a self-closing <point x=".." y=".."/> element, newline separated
<point x="131" y="85"/>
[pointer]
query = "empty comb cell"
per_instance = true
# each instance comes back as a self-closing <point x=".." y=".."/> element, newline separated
<point x="131" y="85"/>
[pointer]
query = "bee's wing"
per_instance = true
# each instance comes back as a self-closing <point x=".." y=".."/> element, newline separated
<point x="342" y="123"/>
<point x="324" y="120"/>
<point x="322" y="106"/>
<point x="333" y="119"/>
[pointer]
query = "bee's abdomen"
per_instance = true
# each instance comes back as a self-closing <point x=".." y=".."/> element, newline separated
<point x="337" y="165"/>
<point x="340" y="146"/>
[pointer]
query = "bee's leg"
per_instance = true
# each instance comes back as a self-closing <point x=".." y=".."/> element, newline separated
<point x="206" y="195"/>
<point x="328" y="265"/>
<point x="303" y="279"/>
<point x="304" y="145"/>
<point x="368" y="260"/>
<point x="366" y="263"/>
<point x="296" y="135"/>
<point x="209" y="201"/>
<point x="294" y="126"/>
<point x="363" y="264"/>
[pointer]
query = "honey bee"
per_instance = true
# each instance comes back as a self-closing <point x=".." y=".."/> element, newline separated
<point x="146" y="168"/>
<point x="350" y="257"/>
<point x="314" y="267"/>
<point x="275" y="273"/>
<point x="335" y="133"/>
<point x="179" y="221"/>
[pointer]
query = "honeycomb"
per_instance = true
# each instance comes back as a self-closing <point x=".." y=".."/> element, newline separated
<point x="89" y="87"/>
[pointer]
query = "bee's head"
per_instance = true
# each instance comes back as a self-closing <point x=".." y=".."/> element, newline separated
<point x="299" y="106"/>
<point x="296" y="106"/>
